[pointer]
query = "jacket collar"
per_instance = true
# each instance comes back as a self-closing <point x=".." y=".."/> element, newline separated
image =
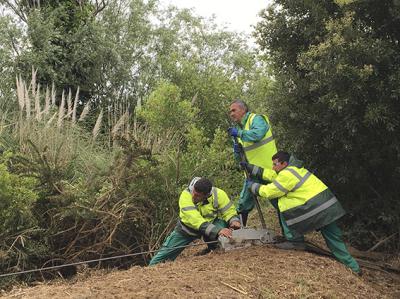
<point x="244" y="120"/>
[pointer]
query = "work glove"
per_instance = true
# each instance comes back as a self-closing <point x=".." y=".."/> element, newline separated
<point x="254" y="171"/>
<point x="253" y="187"/>
<point x="233" y="132"/>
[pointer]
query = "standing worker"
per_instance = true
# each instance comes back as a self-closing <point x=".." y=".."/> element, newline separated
<point x="305" y="203"/>
<point x="254" y="135"/>
<point x="205" y="211"/>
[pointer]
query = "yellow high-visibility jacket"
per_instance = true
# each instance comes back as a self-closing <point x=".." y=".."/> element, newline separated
<point x="305" y="202"/>
<point x="260" y="152"/>
<point x="197" y="219"/>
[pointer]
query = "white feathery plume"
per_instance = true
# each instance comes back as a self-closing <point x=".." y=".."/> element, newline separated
<point x="85" y="112"/>
<point x="27" y="103"/>
<point x="97" y="126"/>
<point x="20" y="93"/>
<point x="53" y="94"/>
<point x="120" y="123"/>
<point x="75" y="106"/>
<point x="37" y="103"/>
<point x="47" y="101"/>
<point x="69" y="103"/>
<point x="61" y="110"/>
<point x="33" y="82"/>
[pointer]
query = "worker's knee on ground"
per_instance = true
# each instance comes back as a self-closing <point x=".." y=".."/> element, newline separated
<point x="173" y="239"/>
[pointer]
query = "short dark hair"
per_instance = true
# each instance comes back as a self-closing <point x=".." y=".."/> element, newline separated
<point x="241" y="104"/>
<point x="203" y="186"/>
<point x="281" y="156"/>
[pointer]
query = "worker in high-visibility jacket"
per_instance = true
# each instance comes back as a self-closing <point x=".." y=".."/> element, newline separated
<point x="204" y="211"/>
<point x="305" y="202"/>
<point x="255" y="138"/>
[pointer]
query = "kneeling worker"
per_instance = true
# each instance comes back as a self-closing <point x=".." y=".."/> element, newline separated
<point x="305" y="202"/>
<point x="205" y="211"/>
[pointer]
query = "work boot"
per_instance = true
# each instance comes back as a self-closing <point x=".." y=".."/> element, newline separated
<point x="278" y="239"/>
<point x="359" y="273"/>
<point x="287" y="245"/>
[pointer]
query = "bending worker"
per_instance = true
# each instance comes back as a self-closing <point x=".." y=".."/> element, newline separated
<point x="305" y="202"/>
<point x="205" y="211"/>
<point x="254" y="133"/>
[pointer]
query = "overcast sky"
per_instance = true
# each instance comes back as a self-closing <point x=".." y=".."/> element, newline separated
<point x="237" y="15"/>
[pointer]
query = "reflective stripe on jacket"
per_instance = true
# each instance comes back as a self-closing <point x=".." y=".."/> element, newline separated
<point x="260" y="152"/>
<point x="305" y="201"/>
<point x="196" y="219"/>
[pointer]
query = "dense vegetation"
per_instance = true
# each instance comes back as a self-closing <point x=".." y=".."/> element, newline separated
<point x="108" y="108"/>
<point x="106" y="113"/>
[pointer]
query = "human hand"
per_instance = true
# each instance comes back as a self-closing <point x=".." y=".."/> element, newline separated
<point x="234" y="225"/>
<point x="253" y="170"/>
<point x="233" y="132"/>
<point x="253" y="187"/>
<point x="225" y="232"/>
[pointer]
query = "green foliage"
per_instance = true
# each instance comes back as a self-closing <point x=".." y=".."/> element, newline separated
<point x="17" y="198"/>
<point x="211" y="159"/>
<point x="66" y="45"/>
<point x="165" y="110"/>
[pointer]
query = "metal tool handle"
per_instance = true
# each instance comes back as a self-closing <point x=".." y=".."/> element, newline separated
<point x="243" y="158"/>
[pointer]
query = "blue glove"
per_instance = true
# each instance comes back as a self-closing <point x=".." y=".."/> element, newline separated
<point x="237" y="148"/>
<point x="233" y="132"/>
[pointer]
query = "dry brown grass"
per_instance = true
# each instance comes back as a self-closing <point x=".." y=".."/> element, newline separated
<point x="255" y="272"/>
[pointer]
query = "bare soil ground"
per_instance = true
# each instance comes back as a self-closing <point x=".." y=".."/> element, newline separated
<point x="254" y="272"/>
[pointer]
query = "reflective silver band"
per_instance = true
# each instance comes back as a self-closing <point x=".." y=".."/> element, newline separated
<point x="254" y="188"/>
<point x="280" y="187"/>
<point x="318" y="209"/>
<point x="209" y="229"/>
<point x="299" y="177"/>
<point x="211" y="215"/>
<point x="215" y="194"/>
<point x="302" y="181"/>
<point x="294" y="172"/>
<point x="258" y="144"/>
<point x="224" y="209"/>
<point x="255" y="170"/>
<point x="186" y="230"/>
<point x="190" y="208"/>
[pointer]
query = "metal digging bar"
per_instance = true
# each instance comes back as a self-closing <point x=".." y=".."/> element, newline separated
<point x="246" y="236"/>
<point x="243" y="158"/>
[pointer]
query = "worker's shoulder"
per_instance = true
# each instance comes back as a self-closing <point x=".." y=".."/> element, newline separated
<point x="185" y="195"/>
<point x="220" y="192"/>
<point x="258" y="118"/>
<point x="294" y="171"/>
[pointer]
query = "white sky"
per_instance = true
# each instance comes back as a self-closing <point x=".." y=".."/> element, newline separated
<point x="236" y="15"/>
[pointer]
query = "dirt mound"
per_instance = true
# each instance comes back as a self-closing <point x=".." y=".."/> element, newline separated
<point x="255" y="272"/>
